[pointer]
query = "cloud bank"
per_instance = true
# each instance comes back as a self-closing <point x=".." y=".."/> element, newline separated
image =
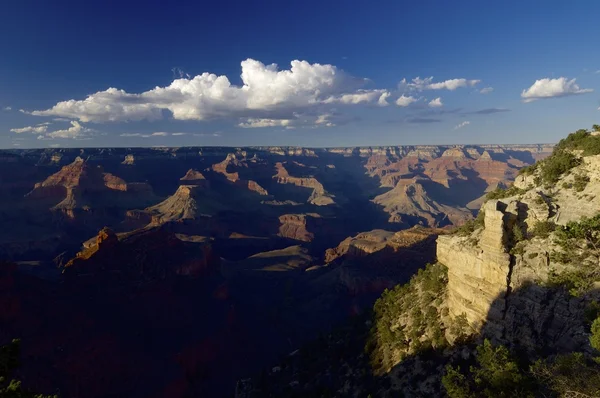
<point x="266" y="93"/>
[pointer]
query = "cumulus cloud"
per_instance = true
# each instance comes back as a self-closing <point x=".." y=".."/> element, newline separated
<point x="436" y="103"/>
<point x="405" y="100"/>
<point x="461" y="125"/>
<point x="418" y="84"/>
<point x="552" y="88"/>
<point x="382" y="101"/>
<point x="38" y="129"/>
<point x="266" y="93"/>
<point x="75" y="131"/>
<point x="486" y="90"/>
<point x="179" y="134"/>
<point x="7" y="108"/>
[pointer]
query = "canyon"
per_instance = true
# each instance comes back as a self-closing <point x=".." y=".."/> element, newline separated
<point x="186" y="269"/>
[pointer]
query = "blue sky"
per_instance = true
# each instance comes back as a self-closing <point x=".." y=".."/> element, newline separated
<point x="123" y="73"/>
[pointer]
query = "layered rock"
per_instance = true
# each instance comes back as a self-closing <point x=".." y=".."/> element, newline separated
<point x="319" y="196"/>
<point x="478" y="275"/>
<point x="82" y="186"/>
<point x="507" y="292"/>
<point x="194" y="177"/>
<point x="297" y="226"/>
<point x="409" y="203"/>
<point x="150" y="253"/>
<point x="378" y="240"/>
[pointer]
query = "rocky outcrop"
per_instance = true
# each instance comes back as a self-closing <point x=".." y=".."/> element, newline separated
<point x="505" y="292"/>
<point x="297" y="226"/>
<point x="319" y="196"/>
<point x="148" y="254"/>
<point x="83" y="186"/>
<point x="194" y="177"/>
<point x="478" y="274"/>
<point x="379" y="240"/>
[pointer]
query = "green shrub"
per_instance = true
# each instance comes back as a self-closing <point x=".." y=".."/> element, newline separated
<point x="470" y="226"/>
<point x="9" y="361"/>
<point x="501" y="193"/>
<point x="543" y="229"/>
<point x="566" y="375"/>
<point x="595" y="334"/>
<point x="580" y="182"/>
<point x="496" y="374"/>
<point x="528" y="170"/>
<point x="556" y="165"/>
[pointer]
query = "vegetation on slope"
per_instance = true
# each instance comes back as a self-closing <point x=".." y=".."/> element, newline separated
<point x="563" y="157"/>
<point x="411" y="318"/>
<point x="498" y="372"/>
<point x="9" y="361"/>
<point x="579" y="243"/>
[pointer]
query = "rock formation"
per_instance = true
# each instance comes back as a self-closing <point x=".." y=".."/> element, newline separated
<point x="410" y="204"/>
<point x="318" y="196"/>
<point x="151" y="253"/>
<point x="81" y="186"/>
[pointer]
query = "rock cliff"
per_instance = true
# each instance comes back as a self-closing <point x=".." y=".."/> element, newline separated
<point x="507" y="254"/>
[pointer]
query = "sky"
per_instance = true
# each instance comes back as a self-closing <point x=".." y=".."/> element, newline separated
<point x="310" y="73"/>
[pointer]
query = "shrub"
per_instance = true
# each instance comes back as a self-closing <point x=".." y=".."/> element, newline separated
<point x="556" y="165"/>
<point x="470" y="226"/>
<point x="528" y="170"/>
<point x="595" y="334"/>
<point x="543" y="229"/>
<point x="567" y="375"/>
<point x="580" y="182"/>
<point x="496" y="374"/>
<point x="501" y="193"/>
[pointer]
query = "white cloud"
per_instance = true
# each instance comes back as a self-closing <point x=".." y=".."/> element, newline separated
<point x="7" y="108"/>
<point x="436" y="103"/>
<point x="551" y="88"/>
<point x="325" y="120"/>
<point x="359" y="97"/>
<point x="265" y="93"/>
<point x="257" y="123"/>
<point x="461" y="125"/>
<point x="75" y="131"/>
<point x="179" y="134"/>
<point x="38" y="129"/>
<point x="143" y="135"/>
<point x="418" y="84"/>
<point x="382" y="101"/>
<point x="405" y="101"/>
<point x="486" y="90"/>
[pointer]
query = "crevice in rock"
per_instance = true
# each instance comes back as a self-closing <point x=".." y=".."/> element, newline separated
<point x="511" y="265"/>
